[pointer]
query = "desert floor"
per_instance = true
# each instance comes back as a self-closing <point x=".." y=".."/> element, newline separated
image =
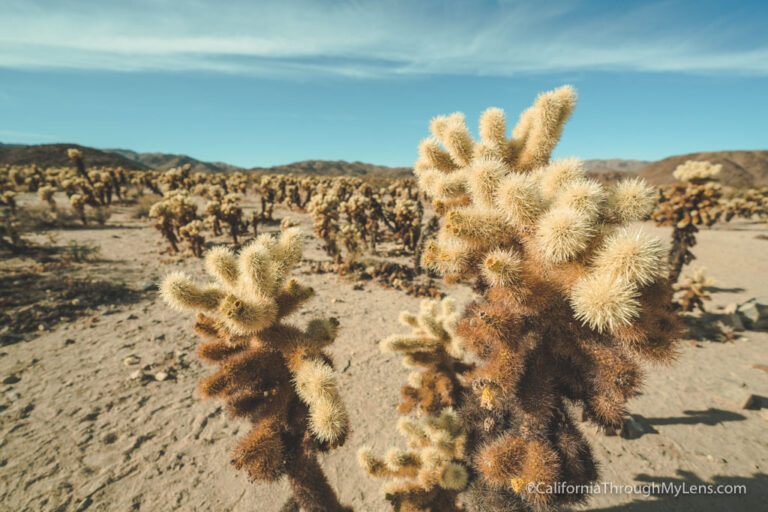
<point x="78" y="433"/>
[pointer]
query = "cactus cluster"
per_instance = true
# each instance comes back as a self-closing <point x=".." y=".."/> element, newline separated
<point x="747" y="204"/>
<point x="274" y="374"/>
<point x="172" y="213"/>
<point x="574" y="298"/>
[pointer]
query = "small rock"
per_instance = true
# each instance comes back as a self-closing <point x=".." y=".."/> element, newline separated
<point x="11" y="379"/>
<point x="734" y="320"/>
<point x="754" y="313"/>
<point x="161" y="376"/>
<point x="159" y="337"/>
<point x="131" y="360"/>
<point x="148" y="286"/>
<point x="138" y="374"/>
<point x="132" y="317"/>
<point x="69" y="341"/>
<point x="358" y="286"/>
<point x="730" y="308"/>
<point x="631" y="429"/>
<point x="109" y="438"/>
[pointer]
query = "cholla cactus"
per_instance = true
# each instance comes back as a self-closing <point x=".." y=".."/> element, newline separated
<point x="747" y="203"/>
<point x="275" y="374"/>
<point x="431" y="472"/>
<point x="232" y="215"/>
<point x="192" y="234"/>
<point x="9" y="199"/>
<point x="686" y="206"/>
<point x="171" y="214"/>
<point x="324" y="208"/>
<point x="76" y="156"/>
<point x="46" y="194"/>
<point x="213" y="211"/>
<point x="574" y="297"/>
<point x="692" y="291"/>
<point x="77" y="202"/>
<point x="407" y="215"/>
<point x="434" y="347"/>
<point x="267" y="192"/>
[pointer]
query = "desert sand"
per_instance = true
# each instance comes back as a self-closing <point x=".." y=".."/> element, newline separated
<point x="79" y="430"/>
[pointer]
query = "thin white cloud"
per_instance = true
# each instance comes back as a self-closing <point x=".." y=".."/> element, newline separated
<point x="373" y="39"/>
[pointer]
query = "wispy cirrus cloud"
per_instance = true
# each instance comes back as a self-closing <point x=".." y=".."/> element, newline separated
<point x="383" y="39"/>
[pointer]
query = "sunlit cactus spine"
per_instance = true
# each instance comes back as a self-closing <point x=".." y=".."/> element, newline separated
<point x="274" y="374"/>
<point x="574" y="298"/>
<point x="687" y="205"/>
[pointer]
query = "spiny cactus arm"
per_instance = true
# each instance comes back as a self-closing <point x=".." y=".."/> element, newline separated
<point x="221" y="263"/>
<point x="395" y="464"/>
<point x="549" y="114"/>
<point x="292" y="297"/>
<point x="179" y="291"/>
<point x="316" y="384"/>
<point x="244" y="317"/>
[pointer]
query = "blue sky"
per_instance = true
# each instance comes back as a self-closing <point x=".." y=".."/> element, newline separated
<point x="271" y="82"/>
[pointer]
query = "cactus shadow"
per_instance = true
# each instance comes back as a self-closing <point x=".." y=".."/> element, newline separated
<point x="709" y="417"/>
<point x="717" y="289"/>
<point x="722" y="493"/>
<point x="708" y="327"/>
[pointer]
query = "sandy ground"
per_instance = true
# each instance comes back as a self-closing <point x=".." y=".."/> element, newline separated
<point x="77" y="433"/>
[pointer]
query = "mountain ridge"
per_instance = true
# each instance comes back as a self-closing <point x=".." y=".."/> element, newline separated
<point x="741" y="168"/>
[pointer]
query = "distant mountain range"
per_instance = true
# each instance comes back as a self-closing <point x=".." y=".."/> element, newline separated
<point x="740" y="168"/>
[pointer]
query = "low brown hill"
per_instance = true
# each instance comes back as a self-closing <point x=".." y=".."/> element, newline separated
<point x="55" y="155"/>
<point x="740" y="168"/>
<point x="336" y="168"/>
<point x="165" y="161"/>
